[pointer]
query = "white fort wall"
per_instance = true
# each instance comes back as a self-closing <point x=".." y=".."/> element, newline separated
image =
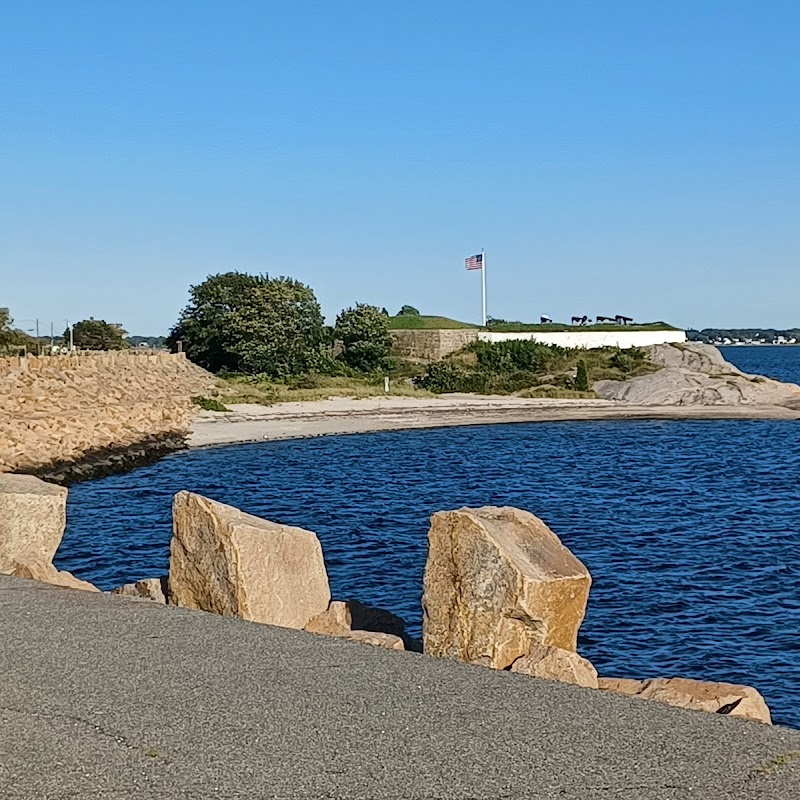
<point x="590" y="339"/>
<point x="434" y="345"/>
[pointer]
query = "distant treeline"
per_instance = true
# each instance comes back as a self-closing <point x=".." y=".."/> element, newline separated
<point x="741" y="334"/>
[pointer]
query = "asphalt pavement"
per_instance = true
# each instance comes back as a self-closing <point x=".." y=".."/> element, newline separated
<point x="111" y="697"/>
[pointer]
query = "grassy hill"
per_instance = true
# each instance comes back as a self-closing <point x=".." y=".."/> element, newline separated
<point x="422" y="322"/>
<point x="554" y="327"/>
<point x="407" y="322"/>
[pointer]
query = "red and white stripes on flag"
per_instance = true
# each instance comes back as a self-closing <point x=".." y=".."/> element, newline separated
<point x="474" y="262"/>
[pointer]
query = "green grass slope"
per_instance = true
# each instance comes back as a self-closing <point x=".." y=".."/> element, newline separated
<point x="407" y="322"/>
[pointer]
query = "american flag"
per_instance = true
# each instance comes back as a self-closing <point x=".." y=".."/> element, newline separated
<point x="474" y="262"/>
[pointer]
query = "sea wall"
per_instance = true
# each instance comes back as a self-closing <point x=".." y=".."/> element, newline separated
<point x="71" y="415"/>
<point x="434" y="345"/>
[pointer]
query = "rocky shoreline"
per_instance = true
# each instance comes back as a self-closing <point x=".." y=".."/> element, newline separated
<point x="500" y="589"/>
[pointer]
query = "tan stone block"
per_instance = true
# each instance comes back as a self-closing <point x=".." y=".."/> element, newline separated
<point x="47" y="573"/>
<point x="32" y="520"/>
<point x="732" y="699"/>
<point x="231" y="563"/>
<point x="555" y="664"/>
<point x="497" y="582"/>
<point x="154" y="589"/>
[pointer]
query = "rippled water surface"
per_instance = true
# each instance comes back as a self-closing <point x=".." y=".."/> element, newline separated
<point x="691" y="530"/>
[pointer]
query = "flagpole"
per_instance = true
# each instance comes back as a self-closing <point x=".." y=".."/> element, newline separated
<point x="483" y="283"/>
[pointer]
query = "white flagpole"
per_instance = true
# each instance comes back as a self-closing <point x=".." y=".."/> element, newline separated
<point x="483" y="283"/>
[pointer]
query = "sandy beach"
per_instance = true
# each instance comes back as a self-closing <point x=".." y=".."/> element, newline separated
<point x="252" y="423"/>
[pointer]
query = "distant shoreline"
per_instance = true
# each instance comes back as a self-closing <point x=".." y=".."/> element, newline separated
<point x="250" y="423"/>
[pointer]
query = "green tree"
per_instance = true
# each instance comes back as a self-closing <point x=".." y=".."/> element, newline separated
<point x="252" y="324"/>
<point x="364" y="334"/>
<point x="96" y="334"/>
<point x="582" y="377"/>
<point x="6" y="331"/>
<point x="408" y="311"/>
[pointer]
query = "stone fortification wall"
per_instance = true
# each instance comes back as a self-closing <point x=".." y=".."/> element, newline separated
<point x="424" y="345"/>
<point x="433" y="345"/>
<point x="60" y="412"/>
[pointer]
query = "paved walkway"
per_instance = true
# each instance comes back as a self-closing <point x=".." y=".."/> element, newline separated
<point x="107" y="697"/>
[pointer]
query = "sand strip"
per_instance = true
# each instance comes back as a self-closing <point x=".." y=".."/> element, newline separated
<point x="251" y="423"/>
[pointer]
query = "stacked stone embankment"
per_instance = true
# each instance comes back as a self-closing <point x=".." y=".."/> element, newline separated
<point x="58" y="413"/>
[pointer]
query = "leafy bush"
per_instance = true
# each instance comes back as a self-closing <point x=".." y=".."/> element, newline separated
<point x="252" y="324"/>
<point x="408" y="311"/>
<point x="364" y="333"/>
<point x="13" y="340"/>
<point x="209" y="404"/>
<point x="627" y="361"/>
<point x="96" y="334"/>
<point x="516" y="355"/>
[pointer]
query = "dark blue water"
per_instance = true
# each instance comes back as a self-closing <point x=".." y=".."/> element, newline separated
<point x="691" y="530"/>
<point x="780" y="362"/>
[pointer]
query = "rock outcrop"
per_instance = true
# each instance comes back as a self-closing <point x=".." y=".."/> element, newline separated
<point x="231" y="563"/>
<point x="155" y="589"/>
<point x="498" y="582"/>
<point x="718" y="698"/>
<point x="555" y="664"/>
<point x="697" y="374"/>
<point x="33" y="515"/>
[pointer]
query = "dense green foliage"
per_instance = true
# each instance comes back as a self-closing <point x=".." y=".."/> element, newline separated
<point x="12" y="340"/>
<point x="408" y="311"/>
<point x="364" y="334"/>
<point x="6" y="331"/>
<point x="209" y="404"/>
<point x="96" y="334"/>
<point x="252" y="324"/>
<point x="531" y="368"/>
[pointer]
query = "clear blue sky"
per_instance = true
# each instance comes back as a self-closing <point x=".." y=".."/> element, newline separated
<point x="612" y="157"/>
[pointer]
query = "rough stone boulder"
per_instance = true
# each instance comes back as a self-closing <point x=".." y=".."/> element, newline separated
<point x="498" y="582"/>
<point x="349" y="619"/>
<point x="47" y="573"/>
<point x="555" y="664"/>
<point x="376" y="639"/>
<point x="693" y="356"/>
<point x="231" y="563"/>
<point x="155" y="589"/>
<point x="697" y="375"/>
<point x="33" y="516"/>
<point x="344" y="616"/>
<point x="718" y="698"/>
